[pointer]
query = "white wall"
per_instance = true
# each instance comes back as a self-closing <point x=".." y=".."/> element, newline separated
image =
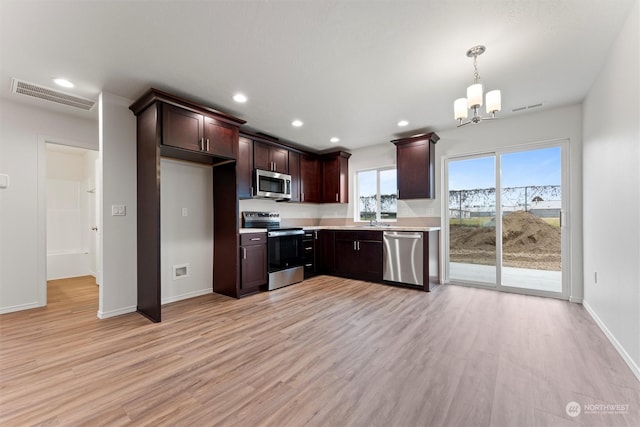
<point x="612" y="194"/>
<point x="186" y="239"/>
<point x="23" y="132"/>
<point x="118" y="291"/>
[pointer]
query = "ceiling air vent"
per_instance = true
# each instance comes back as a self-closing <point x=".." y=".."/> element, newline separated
<point x="528" y="107"/>
<point x="30" y="89"/>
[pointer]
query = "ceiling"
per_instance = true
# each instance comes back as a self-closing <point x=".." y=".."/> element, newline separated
<point x="350" y="69"/>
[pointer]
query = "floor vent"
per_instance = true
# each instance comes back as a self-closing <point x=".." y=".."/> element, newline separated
<point x="31" y="89"/>
<point x="180" y="271"/>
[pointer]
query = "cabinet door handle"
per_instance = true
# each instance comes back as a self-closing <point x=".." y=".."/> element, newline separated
<point x="302" y="197"/>
<point x="315" y="235"/>
<point x="244" y="253"/>
<point x="255" y="239"/>
<point x="207" y="144"/>
<point x="354" y="245"/>
<point x="358" y="242"/>
<point x="337" y="198"/>
<point x="308" y="249"/>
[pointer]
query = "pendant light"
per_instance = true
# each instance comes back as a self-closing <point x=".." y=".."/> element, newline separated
<point x="474" y="98"/>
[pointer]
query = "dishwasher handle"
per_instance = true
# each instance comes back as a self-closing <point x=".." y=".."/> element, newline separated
<point x="402" y="236"/>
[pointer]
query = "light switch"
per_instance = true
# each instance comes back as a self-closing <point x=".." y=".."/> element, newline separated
<point x="185" y="212"/>
<point x="4" y="180"/>
<point x="118" y="210"/>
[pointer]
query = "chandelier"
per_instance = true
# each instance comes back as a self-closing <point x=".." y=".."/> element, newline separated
<point x="473" y="101"/>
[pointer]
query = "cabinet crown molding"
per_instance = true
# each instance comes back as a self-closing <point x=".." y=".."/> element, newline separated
<point x="431" y="137"/>
<point x="155" y="95"/>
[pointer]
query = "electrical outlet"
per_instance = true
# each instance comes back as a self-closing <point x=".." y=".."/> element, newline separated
<point x="595" y="277"/>
<point x="4" y="180"/>
<point x="118" y="210"/>
<point x="185" y="212"/>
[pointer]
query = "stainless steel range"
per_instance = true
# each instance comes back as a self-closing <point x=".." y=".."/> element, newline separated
<point x="285" y="256"/>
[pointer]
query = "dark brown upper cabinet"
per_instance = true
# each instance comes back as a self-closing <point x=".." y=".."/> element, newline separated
<point x="314" y="178"/>
<point x="310" y="179"/>
<point x="335" y="177"/>
<point x="270" y="157"/>
<point x="416" y="166"/>
<point x="197" y="132"/>
<point x="294" y="171"/>
<point x="244" y="168"/>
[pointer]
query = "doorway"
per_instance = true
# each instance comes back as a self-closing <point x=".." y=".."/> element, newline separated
<point x="72" y="212"/>
<point x="505" y="225"/>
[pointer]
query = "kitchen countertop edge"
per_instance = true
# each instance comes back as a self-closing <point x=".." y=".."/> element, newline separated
<point x="252" y="230"/>
<point x="367" y="227"/>
<point x="349" y="228"/>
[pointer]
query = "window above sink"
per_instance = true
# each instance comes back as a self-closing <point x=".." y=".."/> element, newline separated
<point x="376" y="192"/>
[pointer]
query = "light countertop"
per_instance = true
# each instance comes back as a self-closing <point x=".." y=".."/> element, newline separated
<point x="351" y="227"/>
<point x="252" y="230"/>
<point x="372" y="227"/>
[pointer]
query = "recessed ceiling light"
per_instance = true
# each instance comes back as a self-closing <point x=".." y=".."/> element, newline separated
<point x="335" y="139"/>
<point x="403" y="123"/>
<point x="296" y="123"/>
<point x="63" y="82"/>
<point x="239" y="97"/>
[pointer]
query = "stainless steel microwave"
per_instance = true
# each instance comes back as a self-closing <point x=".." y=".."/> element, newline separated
<point x="272" y="185"/>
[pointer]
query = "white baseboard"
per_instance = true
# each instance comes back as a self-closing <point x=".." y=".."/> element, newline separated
<point x="186" y="296"/>
<point x="118" y="312"/>
<point x="619" y="348"/>
<point x="576" y="300"/>
<point x="19" y="307"/>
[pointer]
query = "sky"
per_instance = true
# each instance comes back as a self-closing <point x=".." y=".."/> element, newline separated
<point x="533" y="167"/>
<point x="367" y="182"/>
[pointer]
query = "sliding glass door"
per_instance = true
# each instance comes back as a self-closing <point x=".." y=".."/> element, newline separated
<point x="505" y="217"/>
<point x="531" y="194"/>
<point x="472" y="220"/>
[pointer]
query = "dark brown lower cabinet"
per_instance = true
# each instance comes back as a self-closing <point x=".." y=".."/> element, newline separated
<point x="325" y="252"/>
<point x="253" y="262"/>
<point x="358" y="254"/>
<point x="309" y="247"/>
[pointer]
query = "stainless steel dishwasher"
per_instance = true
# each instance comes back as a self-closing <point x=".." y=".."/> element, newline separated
<point x="403" y="257"/>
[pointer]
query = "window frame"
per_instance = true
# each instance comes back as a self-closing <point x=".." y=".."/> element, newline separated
<point x="378" y="170"/>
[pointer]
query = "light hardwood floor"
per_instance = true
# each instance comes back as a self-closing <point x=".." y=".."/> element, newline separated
<point x="327" y="351"/>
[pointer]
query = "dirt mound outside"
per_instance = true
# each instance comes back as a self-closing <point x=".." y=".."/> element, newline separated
<point x="527" y="242"/>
